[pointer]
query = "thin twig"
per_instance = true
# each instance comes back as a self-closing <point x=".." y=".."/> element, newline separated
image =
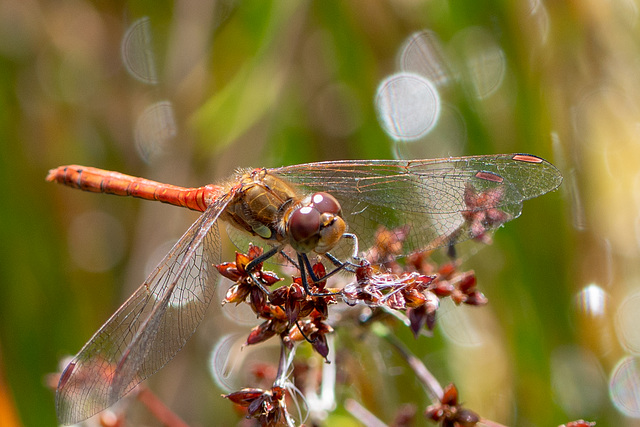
<point x="159" y="409"/>
<point x="433" y="387"/>
<point x="362" y="414"/>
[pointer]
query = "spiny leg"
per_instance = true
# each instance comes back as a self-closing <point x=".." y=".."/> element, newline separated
<point x="305" y="264"/>
<point x="255" y="262"/>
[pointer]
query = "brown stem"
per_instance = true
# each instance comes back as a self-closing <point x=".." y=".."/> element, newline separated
<point x="159" y="409"/>
<point x="433" y="387"/>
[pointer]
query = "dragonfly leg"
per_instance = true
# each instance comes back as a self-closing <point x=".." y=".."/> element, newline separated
<point x="353" y="237"/>
<point x="305" y="264"/>
<point x="309" y="340"/>
<point x="340" y="265"/>
<point x="347" y="265"/>
<point x="451" y="251"/>
<point x="262" y="258"/>
<point x="258" y="284"/>
<point x="255" y="262"/>
<point x="291" y="260"/>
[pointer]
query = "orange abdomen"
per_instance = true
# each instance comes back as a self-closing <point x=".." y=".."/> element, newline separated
<point x="102" y="181"/>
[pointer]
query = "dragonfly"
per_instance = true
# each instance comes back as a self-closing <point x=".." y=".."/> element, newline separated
<point x="313" y="209"/>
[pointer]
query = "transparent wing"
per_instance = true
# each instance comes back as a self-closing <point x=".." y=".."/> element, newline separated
<point x="435" y="202"/>
<point x="149" y="328"/>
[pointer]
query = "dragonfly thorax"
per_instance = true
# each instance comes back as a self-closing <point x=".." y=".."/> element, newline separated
<point x="268" y="207"/>
<point x="258" y="205"/>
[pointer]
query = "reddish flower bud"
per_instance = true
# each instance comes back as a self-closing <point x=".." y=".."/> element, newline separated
<point x="245" y="396"/>
<point x="414" y="298"/>
<point x="579" y="423"/>
<point x="467" y="283"/>
<point x="458" y="297"/>
<point x="236" y="294"/>
<point x="443" y="289"/>
<point x="229" y="270"/>
<point x="269" y="278"/>
<point x="476" y="298"/>
<point x="434" y="412"/>
<point x="241" y="262"/>
<point x="466" y="418"/>
<point x="446" y="270"/>
<point x="417" y="319"/>
<point x="259" y="334"/>
<point x="450" y="395"/>
<point x="321" y="346"/>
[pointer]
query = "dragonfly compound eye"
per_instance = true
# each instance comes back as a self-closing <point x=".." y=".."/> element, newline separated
<point x="325" y="203"/>
<point x="331" y="231"/>
<point x="304" y="224"/>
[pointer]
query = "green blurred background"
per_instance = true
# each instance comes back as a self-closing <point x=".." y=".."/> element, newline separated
<point x="185" y="92"/>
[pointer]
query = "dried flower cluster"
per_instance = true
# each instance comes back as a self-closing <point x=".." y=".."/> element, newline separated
<point x="264" y="405"/>
<point x="288" y="311"/>
<point x="449" y="413"/>
<point x="414" y="286"/>
<point x="380" y="280"/>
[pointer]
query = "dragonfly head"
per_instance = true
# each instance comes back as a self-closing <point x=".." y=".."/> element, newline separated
<point x="316" y="225"/>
